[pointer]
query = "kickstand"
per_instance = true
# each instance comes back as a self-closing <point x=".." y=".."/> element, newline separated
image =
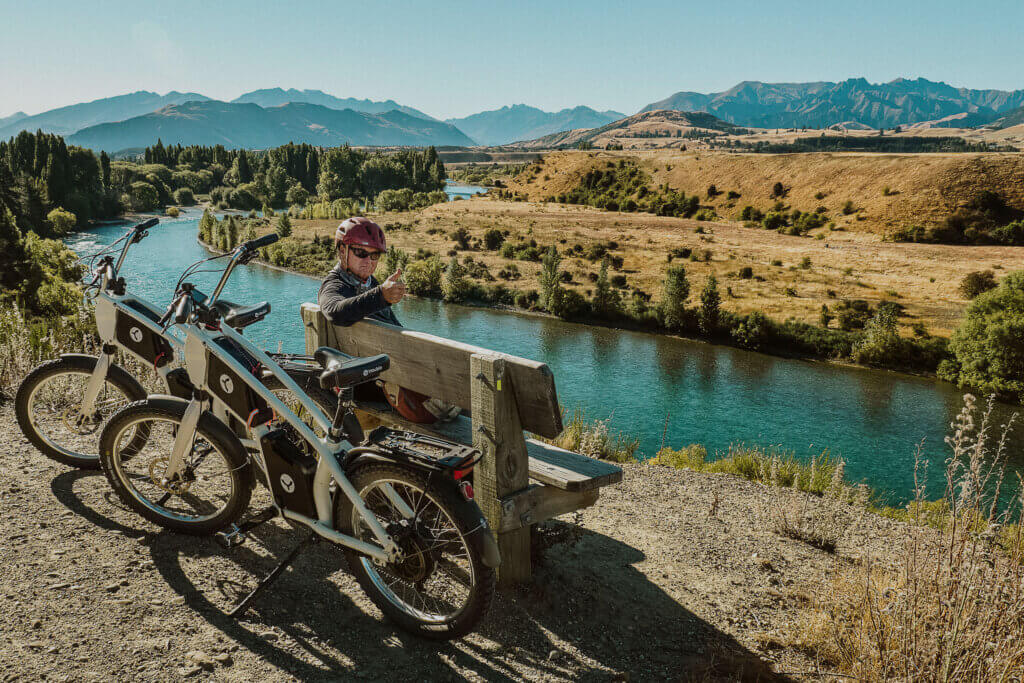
<point x="237" y="534"/>
<point x="241" y="607"/>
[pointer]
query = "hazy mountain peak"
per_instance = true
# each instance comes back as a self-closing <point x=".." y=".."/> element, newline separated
<point x="274" y="97"/>
<point x="514" y="122"/>
<point x="248" y="125"/>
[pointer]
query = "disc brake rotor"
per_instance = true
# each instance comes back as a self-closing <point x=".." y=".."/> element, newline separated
<point x="157" y="467"/>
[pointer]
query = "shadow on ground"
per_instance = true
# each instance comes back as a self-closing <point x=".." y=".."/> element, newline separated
<point x="589" y="614"/>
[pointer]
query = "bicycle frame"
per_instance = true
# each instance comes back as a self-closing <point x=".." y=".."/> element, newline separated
<point x="199" y="348"/>
<point x="139" y="320"/>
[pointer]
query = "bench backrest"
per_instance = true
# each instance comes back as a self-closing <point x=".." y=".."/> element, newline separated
<point x="439" y="367"/>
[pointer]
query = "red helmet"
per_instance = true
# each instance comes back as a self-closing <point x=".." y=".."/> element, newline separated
<point x="360" y="232"/>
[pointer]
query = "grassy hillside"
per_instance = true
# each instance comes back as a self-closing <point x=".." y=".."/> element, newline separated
<point x="887" y="191"/>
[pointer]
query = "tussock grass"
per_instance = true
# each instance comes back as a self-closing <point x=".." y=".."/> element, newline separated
<point x="594" y="438"/>
<point x="819" y="474"/>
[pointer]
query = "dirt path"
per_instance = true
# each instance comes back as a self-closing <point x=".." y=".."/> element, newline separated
<point x="673" y="575"/>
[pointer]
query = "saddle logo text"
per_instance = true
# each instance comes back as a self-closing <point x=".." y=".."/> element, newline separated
<point x="136" y="334"/>
<point x="226" y="384"/>
<point x="287" y="483"/>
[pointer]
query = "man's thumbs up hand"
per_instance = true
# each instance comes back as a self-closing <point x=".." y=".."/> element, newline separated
<point x="393" y="288"/>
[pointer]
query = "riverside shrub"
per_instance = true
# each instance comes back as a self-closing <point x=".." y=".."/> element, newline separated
<point x="988" y="346"/>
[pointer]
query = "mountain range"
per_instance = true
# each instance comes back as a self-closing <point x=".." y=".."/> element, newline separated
<point x="522" y="122"/>
<point x="821" y="104"/>
<point x="121" y="122"/>
<point x="275" y="97"/>
<point x="251" y="126"/>
<point x="74" y="117"/>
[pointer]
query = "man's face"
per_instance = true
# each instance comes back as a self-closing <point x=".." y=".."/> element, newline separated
<point x="361" y="261"/>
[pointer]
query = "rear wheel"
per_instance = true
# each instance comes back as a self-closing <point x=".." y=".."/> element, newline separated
<point x="441" y="589"/>
<point x="213" y="487"/>
<point x="48" y="406"/>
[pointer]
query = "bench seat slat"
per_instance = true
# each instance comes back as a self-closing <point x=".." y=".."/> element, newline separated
<point x="548" y="464"/>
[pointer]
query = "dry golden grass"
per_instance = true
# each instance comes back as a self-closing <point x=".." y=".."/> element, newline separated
<point x="924" y="188"/>
<point x="951" y="606"/>
<point x="849" y="264"/>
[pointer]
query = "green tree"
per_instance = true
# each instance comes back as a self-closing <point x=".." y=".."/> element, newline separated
<point x="284" y="225"/>
<point x="988" y="346"/>
<point x="493" y="239"/>
<point x="207" y="227"/>
<point x="241" y="169"/>
<point x="423" y="277"/>
<point x="881" y="337"/>
<point x="184" y="197"/>
<point x="394" y="258"/>
<point x="752" y="330"/>
<point x="710" y="304"/>
<point x="62" y="222"/>
<point x="551" y="290"/>
<point x="329" y="186"/>
<point x="826" y="317"/>
<point x="297" y="194"/>
<point x="673" y="301"/>
<point x="977" y="283"/>
<point x="143" y="197"/>
<point x="606" y="302"/>
<point x="455" y="287"/>
<point x="277" y="185"/>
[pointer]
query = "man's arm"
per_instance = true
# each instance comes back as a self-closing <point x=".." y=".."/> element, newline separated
<point x="342" y="309"/>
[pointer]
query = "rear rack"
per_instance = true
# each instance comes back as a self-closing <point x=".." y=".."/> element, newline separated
<point x="425" y="450"/>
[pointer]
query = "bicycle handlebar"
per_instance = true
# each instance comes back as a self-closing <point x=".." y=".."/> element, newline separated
<point x="146" y="225"/>
<point x="260" y="242"/>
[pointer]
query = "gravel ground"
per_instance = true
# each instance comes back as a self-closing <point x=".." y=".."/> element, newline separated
<point x="672" y="575"/>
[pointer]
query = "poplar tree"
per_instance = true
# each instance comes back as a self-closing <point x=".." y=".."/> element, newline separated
<point x="674" y="296"/>
<point x="710" y="302"/>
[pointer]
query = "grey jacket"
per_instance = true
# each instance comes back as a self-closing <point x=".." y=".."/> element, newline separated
<point x="344" y="300"/>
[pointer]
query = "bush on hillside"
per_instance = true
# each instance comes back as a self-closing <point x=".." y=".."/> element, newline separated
<point x="978" y="282"/>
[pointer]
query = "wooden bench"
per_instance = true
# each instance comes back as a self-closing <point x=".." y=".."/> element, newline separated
<point x="521" y="480"/>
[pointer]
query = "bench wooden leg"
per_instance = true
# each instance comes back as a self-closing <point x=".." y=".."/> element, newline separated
<point x="498" y="434"/>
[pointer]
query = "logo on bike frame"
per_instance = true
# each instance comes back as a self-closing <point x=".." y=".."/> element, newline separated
<point x="136" y="334"/>
<point x="287" y="483"/>
<point x="226" y="384"/>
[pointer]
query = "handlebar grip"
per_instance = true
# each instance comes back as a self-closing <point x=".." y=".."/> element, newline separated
<point x="146" y="225"/>
<point x="259" y="243"/>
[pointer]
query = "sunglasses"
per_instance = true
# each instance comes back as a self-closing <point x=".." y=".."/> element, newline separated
<point x="362" y="253"/>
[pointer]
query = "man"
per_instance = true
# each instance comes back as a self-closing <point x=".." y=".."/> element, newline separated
<point x="350" y="293"/>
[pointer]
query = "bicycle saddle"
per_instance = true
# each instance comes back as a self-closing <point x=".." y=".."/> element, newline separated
<point x="239" y="316"/>
<point x="342" y="370"/>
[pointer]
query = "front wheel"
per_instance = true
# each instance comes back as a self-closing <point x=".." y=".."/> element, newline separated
<point x="211" y="490"/>
<point x="48" y="408"/>
<point x="441" y="589"/>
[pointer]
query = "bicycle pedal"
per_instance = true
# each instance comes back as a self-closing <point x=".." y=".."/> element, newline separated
<point x="232" y="538"/>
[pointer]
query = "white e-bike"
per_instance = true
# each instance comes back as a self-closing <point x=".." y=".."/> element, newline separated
<point x="399" y="504"/>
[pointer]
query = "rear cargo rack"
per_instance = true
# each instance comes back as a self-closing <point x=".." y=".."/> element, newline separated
<point x="424" y="450"/>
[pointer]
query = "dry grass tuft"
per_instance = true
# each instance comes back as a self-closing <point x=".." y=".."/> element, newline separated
<point x="951" y="607"/>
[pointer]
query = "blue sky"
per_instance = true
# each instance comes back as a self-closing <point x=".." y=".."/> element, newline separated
<point x="457" y="58"/>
